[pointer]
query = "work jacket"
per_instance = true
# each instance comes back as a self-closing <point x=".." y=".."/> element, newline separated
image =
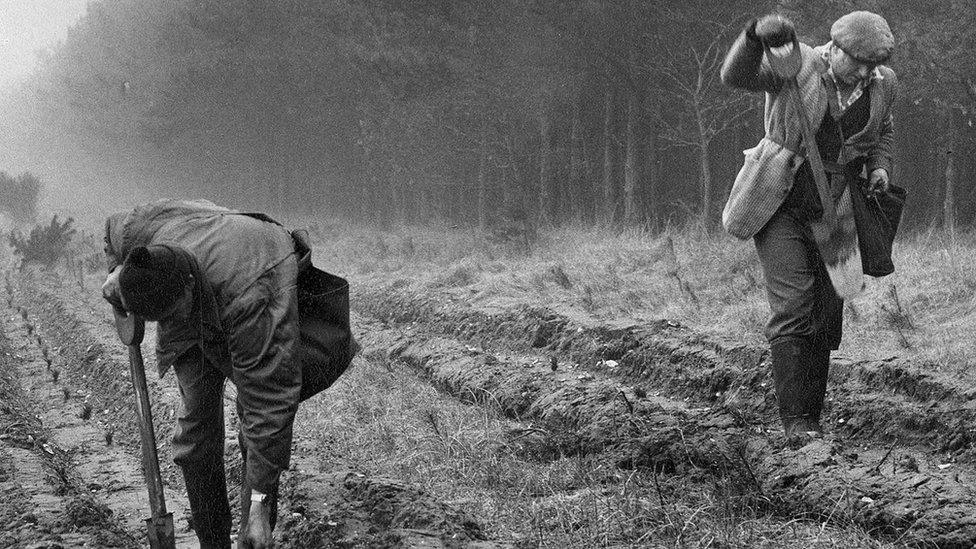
<point x="238" y="261"/>
<point x="754" y="201"/>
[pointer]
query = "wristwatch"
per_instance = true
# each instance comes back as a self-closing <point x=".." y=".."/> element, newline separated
<point x="258" y="497"/>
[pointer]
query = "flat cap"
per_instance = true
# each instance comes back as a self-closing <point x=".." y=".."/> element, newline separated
<point x="865" y="36"/>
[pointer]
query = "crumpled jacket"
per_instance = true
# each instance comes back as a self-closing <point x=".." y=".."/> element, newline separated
<point x="233" y="253"/>
<point x="752" y="203"/>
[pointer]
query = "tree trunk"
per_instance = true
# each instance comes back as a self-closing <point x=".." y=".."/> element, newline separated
<point x="514" y="198"/>
<point x="630" y="165"/>
<point x="652" y="170"/>
<point x="576" y="193"/>
<point x="546" y="195"/>
<point x="949" y="204"/>
<point x="607" y="186"/>
<point x="483" y="182"/>
<point x="279" y="167"/>
<point x="704" y="174"/>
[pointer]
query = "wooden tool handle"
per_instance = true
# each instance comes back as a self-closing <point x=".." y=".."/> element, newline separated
<point x="150" y="457"/>
<point x="131" y="329"/>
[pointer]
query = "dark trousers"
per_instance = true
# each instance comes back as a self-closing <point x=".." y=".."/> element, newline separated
<point x="802" y="301"/>
<point x="198" y="448"/>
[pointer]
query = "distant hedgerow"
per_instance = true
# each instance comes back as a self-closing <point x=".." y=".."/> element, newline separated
<point x="18" y="197"/>
<point x="46" y="244"/>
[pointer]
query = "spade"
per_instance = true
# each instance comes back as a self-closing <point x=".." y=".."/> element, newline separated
<point x="131" y="329"/>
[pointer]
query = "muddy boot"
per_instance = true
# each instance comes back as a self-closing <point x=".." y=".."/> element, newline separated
<point x="206" y="489"/>
<point x="799" y="390"/>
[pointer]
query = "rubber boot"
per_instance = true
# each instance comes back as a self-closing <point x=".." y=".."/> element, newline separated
<point x="819" y="371"/>
<point x="800" y="384"/>
<point x="206" y="488"/>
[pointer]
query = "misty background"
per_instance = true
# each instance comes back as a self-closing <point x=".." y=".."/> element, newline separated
<point x="469" y="113"/>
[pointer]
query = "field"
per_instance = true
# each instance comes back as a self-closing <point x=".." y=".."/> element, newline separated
<point x="585" y="389"/>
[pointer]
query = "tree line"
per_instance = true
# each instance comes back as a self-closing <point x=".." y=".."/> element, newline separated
<point x="605" y="112"/>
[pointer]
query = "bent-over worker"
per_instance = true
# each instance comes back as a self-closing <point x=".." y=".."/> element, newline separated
<point x="222" y="286"/>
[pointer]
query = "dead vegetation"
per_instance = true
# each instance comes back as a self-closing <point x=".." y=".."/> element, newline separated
<point x="45" y="244"/>
<point x="926" y="309"/>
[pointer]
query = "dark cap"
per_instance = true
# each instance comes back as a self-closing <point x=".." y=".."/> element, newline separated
<point x="865" y="36"/>
<point x="152" y="279"/>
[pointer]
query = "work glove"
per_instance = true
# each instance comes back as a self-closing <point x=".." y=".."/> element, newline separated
<point x="774" y="30"/>
<point x="878" y="182"/>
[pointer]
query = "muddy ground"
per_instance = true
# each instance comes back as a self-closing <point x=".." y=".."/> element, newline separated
<point x="655" y="400"/>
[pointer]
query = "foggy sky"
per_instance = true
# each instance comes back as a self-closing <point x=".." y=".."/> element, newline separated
<point x="30" y="25"/>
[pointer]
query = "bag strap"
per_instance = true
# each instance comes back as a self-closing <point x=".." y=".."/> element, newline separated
<point x="787" y="66"/>
<point x="813" y="155"/>
<point x="303" y="247"/>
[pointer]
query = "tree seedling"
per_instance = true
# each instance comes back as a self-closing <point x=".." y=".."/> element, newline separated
<point x="109" y="434"/>
<point x="67" y="394"/>
<point x="54" y="375"/>
<point x="86" y="412"/>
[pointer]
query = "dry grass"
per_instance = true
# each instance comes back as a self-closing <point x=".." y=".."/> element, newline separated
<point x="711" y="282"/>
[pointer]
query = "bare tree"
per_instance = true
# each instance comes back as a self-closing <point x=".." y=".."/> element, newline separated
<point x="705" y="108"/>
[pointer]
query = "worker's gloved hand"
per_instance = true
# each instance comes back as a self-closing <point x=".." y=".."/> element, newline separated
<point x="878" y="182"/>
<point x="111" y="291"/>
<point x="256" y="533"/>
<point x="774" y="30"/>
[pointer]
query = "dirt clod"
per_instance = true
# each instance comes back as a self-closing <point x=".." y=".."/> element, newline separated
<point x="83" y="511"/>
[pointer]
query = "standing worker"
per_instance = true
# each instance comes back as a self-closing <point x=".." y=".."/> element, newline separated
<point x="848" y="95"/>
<point x="223" y="287"/>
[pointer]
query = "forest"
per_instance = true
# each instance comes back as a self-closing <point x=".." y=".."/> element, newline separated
<point x="467" y="112"/>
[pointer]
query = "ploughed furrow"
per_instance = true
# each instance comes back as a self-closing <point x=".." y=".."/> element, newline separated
<point x="89" y="400"/>
<point x="349" y="509"/>
<point x="890" y="400"/>
<point x="80" y="333"/>
<point x="62" y="486"/>
<point x="319" y="507"/>
<point x="893" y="492"/>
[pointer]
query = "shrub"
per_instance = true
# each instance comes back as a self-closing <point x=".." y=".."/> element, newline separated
<point x="46" y="244"/>
<point x="18" y="197"/>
